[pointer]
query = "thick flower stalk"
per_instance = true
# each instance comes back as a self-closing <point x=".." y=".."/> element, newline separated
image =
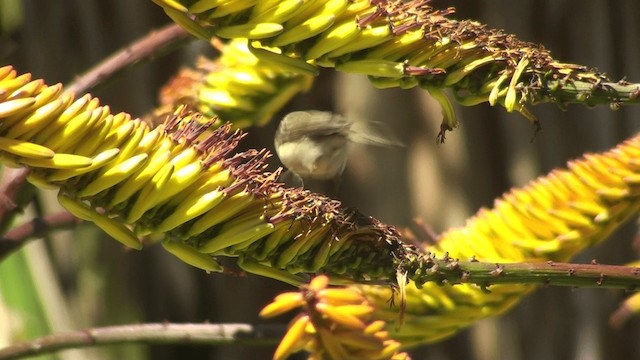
<point x="551" y="219"/>
<point x="236" y="86"/>
<point x="402" y="44"/>
<point x="335" y="324"/>
<point x="180" y="183"/>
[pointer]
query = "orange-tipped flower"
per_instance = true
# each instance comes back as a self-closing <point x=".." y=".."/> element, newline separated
<point x="335" y="324"/>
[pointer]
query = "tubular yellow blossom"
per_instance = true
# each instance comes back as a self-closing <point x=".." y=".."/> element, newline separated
<point x="398" y="44"/>
<point x="180" y="183"/>
<point x="327" y="330"/>
<point x="550" y="219"/>
<point x="238" y="86"/>
<point x="283" y="303"/>
<point x="293" y="339"/>
<point x="288" y="233"/>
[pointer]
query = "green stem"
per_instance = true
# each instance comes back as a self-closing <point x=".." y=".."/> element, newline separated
<point x="449" y="271"/>
<point x="589" y="94"/>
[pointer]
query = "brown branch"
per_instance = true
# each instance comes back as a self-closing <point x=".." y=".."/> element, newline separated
<point x="36" y="228"/>
<point x="13" y="195"/>
<point x="158" y="333"/>
<point x="148" y="47"/>
<point x="12" y="180"/>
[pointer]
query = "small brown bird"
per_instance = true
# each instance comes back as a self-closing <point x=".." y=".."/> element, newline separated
<point x="314" y="144"/>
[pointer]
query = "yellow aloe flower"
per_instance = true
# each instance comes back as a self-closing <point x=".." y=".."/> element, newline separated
<point x="401" y="44"/>
<point x="180" y="183"/>
<point x="236" y="86"/>
<point x="550" y="219"/>
<point x="335" y="323"/>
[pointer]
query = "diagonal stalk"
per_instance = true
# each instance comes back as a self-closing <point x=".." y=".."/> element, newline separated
<point x="164" y="333"/>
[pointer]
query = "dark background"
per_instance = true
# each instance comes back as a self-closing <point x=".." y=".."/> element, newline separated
<point x="490" y="152"/>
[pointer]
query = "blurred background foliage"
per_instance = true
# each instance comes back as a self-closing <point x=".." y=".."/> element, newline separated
<point x="80" y="279"/>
